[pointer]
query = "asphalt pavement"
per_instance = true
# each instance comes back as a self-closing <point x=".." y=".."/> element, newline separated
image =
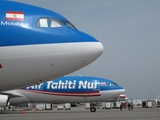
<point x="80" y="113"/>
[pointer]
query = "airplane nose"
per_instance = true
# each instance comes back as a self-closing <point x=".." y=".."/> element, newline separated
<point x="91" y="51"/>
<point x="120" y="91"/>
<point x="117" y="92"/>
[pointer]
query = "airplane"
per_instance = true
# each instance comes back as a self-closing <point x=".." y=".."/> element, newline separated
<point x="38" y="45"/>
<point x="67" y="89"/>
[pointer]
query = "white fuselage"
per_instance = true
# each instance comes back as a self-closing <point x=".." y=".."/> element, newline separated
<point x="30" y="97"/>
<point x="31" y="64"/>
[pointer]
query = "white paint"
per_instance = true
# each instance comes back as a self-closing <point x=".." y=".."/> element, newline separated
<point x="30" y="64"/>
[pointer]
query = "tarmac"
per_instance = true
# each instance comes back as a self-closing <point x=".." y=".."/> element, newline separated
<point x="80" y="113"/>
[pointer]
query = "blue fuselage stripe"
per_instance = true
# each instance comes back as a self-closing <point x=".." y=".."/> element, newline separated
<point x="75" y="85"/>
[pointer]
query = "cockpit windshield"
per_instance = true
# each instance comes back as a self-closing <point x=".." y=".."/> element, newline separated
<point x="68" y="24"/>
<point x="113" y="84"/>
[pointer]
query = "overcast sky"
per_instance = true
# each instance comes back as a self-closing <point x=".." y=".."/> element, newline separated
<point x="130" y="33"/>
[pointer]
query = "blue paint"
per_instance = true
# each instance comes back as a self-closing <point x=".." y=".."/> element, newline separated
<point x="76" y="84"/>
<point x="15" y="33"/>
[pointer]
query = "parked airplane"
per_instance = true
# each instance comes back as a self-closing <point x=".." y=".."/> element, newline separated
<point x="38" y="45"/>
<point x="69" y="89"/>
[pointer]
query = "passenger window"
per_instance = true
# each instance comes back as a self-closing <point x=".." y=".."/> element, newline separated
<point x="42" y="22"/>
<point x="55" y="23"/>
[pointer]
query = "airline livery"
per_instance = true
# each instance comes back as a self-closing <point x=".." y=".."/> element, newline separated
<point x="68" y="89"/>
<point x="38" y="45"/>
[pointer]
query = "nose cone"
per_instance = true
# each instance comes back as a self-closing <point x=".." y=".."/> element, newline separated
<point x="120" y="91"/>
<point x="91" y="51"/>
<point x="117" y="92"/>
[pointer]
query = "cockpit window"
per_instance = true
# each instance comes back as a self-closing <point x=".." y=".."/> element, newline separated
<point x="55" y="23"/>
<point x="68" y="24"/>
<point x="113" y="84"/>
<point x="42" y="22"/>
